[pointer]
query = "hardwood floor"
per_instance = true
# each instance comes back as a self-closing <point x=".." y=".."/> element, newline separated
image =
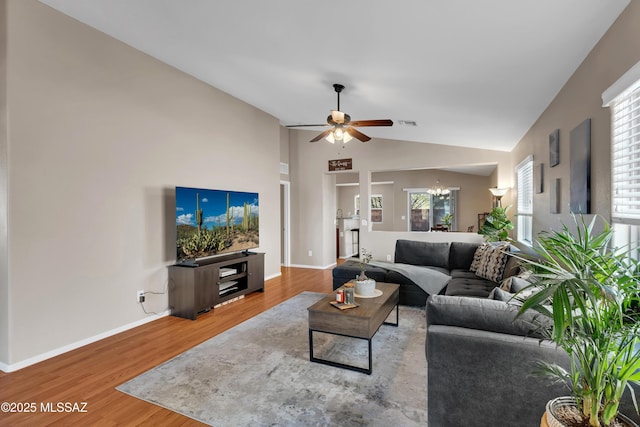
<point x="91" y="373"/>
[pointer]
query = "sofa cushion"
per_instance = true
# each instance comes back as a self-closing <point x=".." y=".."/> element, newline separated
<point x="469" y="287"/>
<point x="492" y="263"/>
<point x="518" y="284"/>
<point x="478" y="255"/>
<point x="422" y="253"/>
<point x="463" y="274"/>
<point x="485" y="315"/>
<point x="512" y="268"/>
<point x="500" y="294"/>
<point x="461" y="255"/>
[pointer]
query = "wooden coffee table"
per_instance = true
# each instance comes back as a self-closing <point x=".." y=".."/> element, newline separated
<point x="361" y="322"/>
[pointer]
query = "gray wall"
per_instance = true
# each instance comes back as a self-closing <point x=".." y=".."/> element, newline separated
<point x="99" y="135"/>
<point x="473" y="198"/>
<point x="310" y="166"/>
<point x="284" y="150"/>
<point x="4" y="274"/>
<point x="579" y="99"/>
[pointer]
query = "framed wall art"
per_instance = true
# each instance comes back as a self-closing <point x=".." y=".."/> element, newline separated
<point x="580" y="168"/>
<point x="539" y="178"/>
<point x="554" y="148"/>
<point x="554" y="196"/>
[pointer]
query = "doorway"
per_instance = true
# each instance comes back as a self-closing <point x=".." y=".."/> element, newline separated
<point x="285" y="223"/>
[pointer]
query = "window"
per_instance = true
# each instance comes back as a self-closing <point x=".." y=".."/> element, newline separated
<point x="524" y="178"/>
<point x="376" y="207"/>
<point x="624" y="99"/>
<point x="625" y="158"/>
<point x="419" y="206"/>
<point x="426" y="211"/>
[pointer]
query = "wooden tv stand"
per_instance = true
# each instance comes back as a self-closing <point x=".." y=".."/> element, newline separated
<point x="198" y="288"/>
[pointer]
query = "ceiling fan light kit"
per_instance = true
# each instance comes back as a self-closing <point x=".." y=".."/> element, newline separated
<point x="343" y="128"/>
<point x="338" y="134"/>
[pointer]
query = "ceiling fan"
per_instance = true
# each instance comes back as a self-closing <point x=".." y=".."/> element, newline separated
<point x="342" y="128"/>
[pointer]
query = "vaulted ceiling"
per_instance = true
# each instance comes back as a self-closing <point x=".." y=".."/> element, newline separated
<point x="469" y="73"/>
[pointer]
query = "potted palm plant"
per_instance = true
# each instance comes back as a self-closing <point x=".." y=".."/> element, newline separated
<point x="591" y="293"/>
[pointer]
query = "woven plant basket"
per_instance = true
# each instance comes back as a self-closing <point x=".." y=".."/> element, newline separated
<point x="551" y="417"/>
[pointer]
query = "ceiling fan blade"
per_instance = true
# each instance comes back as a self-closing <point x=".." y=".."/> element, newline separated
<point x="385" y="122"/>
<point x="322" y="135"/>
<point x="357" y="134"/>
<point x="301" y="126"/>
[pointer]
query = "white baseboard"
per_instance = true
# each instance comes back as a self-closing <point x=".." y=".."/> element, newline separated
<point x="58" y="351"/>
<point x="273" y="276"/>
<point x="53" y="353"/>
<point x="316" y="267"/>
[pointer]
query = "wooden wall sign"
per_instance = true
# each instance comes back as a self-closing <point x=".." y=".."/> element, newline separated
<point x="340" y="165"/>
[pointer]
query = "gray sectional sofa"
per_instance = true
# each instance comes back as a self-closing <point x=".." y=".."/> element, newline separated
<point x="453" y="259"/>
<point x="480" y="358"/>
<point x="480" y="363"/>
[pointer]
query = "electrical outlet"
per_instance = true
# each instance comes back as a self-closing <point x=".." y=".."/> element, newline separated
<point x="140" y="296"/>
<point x="310" y="252"/>
<point x="388" y="257"/>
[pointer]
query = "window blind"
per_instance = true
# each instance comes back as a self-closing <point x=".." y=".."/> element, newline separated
<point x="524" y="176"/>
<point x="625" y="158"/>
<point x="524" y="203"/>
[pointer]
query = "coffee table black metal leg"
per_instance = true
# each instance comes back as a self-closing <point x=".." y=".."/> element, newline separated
<point x="397" y="318"/>
<point x="367" y="370"/>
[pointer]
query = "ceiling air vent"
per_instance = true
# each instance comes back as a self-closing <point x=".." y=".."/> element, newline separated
<point x="407" y="123"/>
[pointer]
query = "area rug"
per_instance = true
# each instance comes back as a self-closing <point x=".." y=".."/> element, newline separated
<point x="259" y="374"/>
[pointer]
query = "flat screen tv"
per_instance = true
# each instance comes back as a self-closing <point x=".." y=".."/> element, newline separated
<point x="215" y="222"/>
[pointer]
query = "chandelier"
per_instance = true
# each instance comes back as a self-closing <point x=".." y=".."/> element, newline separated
<point x="438" y="190"/>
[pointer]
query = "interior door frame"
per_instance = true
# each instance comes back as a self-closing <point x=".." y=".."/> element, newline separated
<point x="285" y="217"/>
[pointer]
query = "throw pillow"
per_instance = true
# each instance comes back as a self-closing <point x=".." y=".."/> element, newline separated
<point x="477" y="256"/>
<point x="513" y="266"/>
<point x="500" y="295"/>
<point x="492" y="263"/>
<point x="515" y="283"/>
<point x="518" y="284"/>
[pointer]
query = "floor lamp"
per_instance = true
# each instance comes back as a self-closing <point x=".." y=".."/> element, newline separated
<point x="497" y="195"/>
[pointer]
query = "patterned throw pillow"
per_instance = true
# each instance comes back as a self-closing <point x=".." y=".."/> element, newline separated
<point x="492" y="263"/>
<point x="477" y="256"/>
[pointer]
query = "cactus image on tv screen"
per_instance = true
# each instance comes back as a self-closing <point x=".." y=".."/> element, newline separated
<point x="213" y="222"/>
